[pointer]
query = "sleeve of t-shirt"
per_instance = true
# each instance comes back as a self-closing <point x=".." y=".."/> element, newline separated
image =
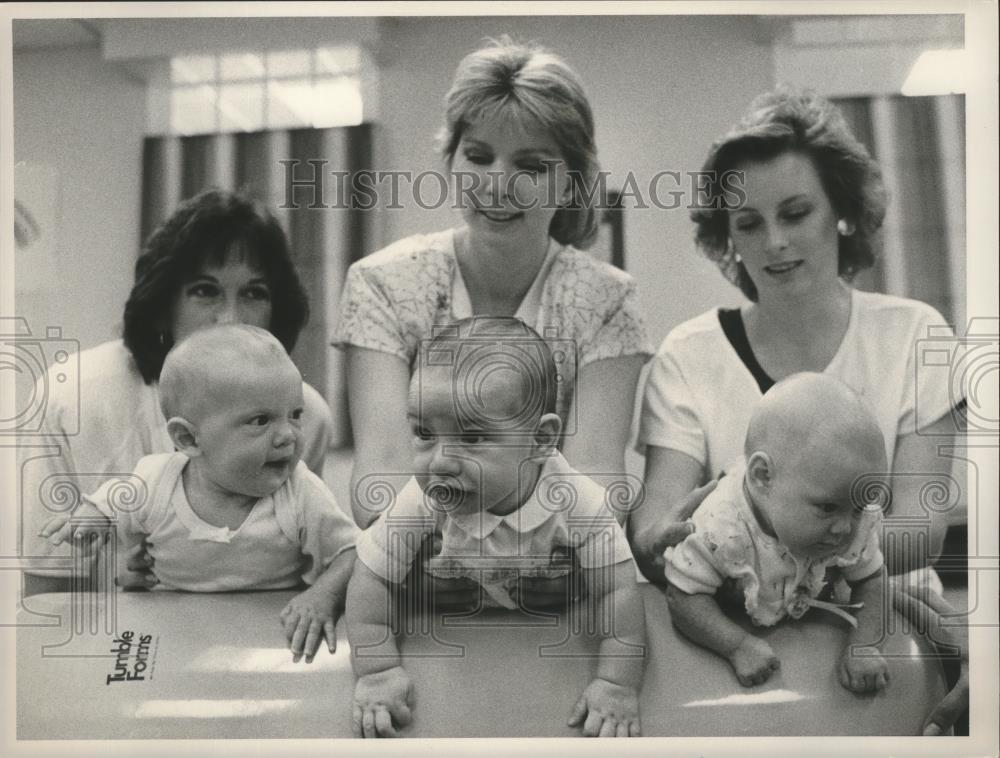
<point x="690" y="568"/>
<point x="128" y="500"/>
<point x="367" y="317"/>
<point x="621" y="330"/>
<point x="669" y="417"/>
<point x="389" y="546"/>
<point x="325" y="531"/>
<point x="934" y="364"/>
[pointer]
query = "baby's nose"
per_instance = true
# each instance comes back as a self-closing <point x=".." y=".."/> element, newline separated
<point x="441" y="462"/>
<point x="284" y="434"/>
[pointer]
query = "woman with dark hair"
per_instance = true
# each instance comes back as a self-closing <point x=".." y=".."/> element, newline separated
<point x="806" y="218"/>
<point x="219" y="258"/>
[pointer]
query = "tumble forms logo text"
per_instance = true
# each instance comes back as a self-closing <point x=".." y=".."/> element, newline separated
<point x="131" y="657"/>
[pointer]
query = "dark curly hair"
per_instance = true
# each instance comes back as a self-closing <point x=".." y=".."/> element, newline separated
<point x="531" y="84"/>
<point x="205" y="230"/>
<point x="791" y="120"/>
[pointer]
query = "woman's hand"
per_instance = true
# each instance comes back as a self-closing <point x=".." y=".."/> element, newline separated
<point x="648" y="545"/>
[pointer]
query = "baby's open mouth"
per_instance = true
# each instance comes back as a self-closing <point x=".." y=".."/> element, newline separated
<point x="444" y="496"/>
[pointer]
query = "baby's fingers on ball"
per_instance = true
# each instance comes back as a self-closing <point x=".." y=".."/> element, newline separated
<point x="368" y="723"/>
<point x="608" y="728"/>
<point x="634" y="729"/>
<point x="383" y="723"/>
<point x="622" y="730"/>
<point x="579" y="711"/>
<point x="403" y="715"/>
<point x="356" y="727"/>
<point x="330" y="632"/>
<point x="592" y="726"/>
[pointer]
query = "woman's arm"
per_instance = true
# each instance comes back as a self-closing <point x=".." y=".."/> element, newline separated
<point x="377" y="385"/>
<point x="602" y="407"/>
<point x="671" y="477"/>
<point x="921" y="479"/>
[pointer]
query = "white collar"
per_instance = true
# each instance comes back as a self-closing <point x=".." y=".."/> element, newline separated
<point x="527" y="311"/>
<point x="529" y="516"/>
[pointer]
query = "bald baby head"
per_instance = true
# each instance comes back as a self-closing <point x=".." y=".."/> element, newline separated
<point x="210" y="365"/>
<point x="808" y="417"/>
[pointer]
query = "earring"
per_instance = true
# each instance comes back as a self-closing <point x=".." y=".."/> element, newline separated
<point x="845" y="228"/>
<point x="163" y="339"/>
<point x="730" y="252"/>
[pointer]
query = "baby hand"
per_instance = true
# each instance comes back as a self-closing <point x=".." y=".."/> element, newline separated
<point x="60" y="529"/>
<point x="379" y="700"/>
<point x="754" y="661"/>
<point x="308" y="617"/>
<point x="611" y="710"/>
<point x="863" y="669"/>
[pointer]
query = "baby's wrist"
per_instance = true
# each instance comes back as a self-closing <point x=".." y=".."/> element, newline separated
<point x="371" y="666"/>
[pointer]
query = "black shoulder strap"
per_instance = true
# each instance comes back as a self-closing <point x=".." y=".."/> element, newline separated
<point x="731" y="321"/>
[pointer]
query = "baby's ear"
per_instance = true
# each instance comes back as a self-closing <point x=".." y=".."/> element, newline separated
<point x="547" y="433"/>
<point x="182" y="434"/>
<point x="760" y="470"/>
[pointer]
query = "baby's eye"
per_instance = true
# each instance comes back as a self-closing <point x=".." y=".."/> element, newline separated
<point x="746" y="224"/>
<point x="829" y="509"/>
<point x="260" y="419"/>
<point x="473" y="438"/>
<point x="297" y="414"/>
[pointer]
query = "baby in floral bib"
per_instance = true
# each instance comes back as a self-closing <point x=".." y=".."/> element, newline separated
<point x="783" y="525"/>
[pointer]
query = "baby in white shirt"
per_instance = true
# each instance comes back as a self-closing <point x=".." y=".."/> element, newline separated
<point x="234" y="508"/>
<point x="774" y="526"/>
<point x="490" y="479"/>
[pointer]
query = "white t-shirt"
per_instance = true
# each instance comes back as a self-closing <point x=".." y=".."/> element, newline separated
<point x="565" y="511"/>
<point x="699" y="394"/>
<point x="287" y="537"/>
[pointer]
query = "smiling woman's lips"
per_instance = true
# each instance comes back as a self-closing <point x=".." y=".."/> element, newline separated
<point x="500" y="216"/>
<point x="782" y="268"/>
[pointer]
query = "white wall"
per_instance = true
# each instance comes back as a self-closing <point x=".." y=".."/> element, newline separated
<point x="84" y="119"/>
<point x="661" y="89"/>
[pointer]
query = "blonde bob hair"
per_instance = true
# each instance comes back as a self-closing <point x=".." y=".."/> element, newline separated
<point x="531" y="85"/>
